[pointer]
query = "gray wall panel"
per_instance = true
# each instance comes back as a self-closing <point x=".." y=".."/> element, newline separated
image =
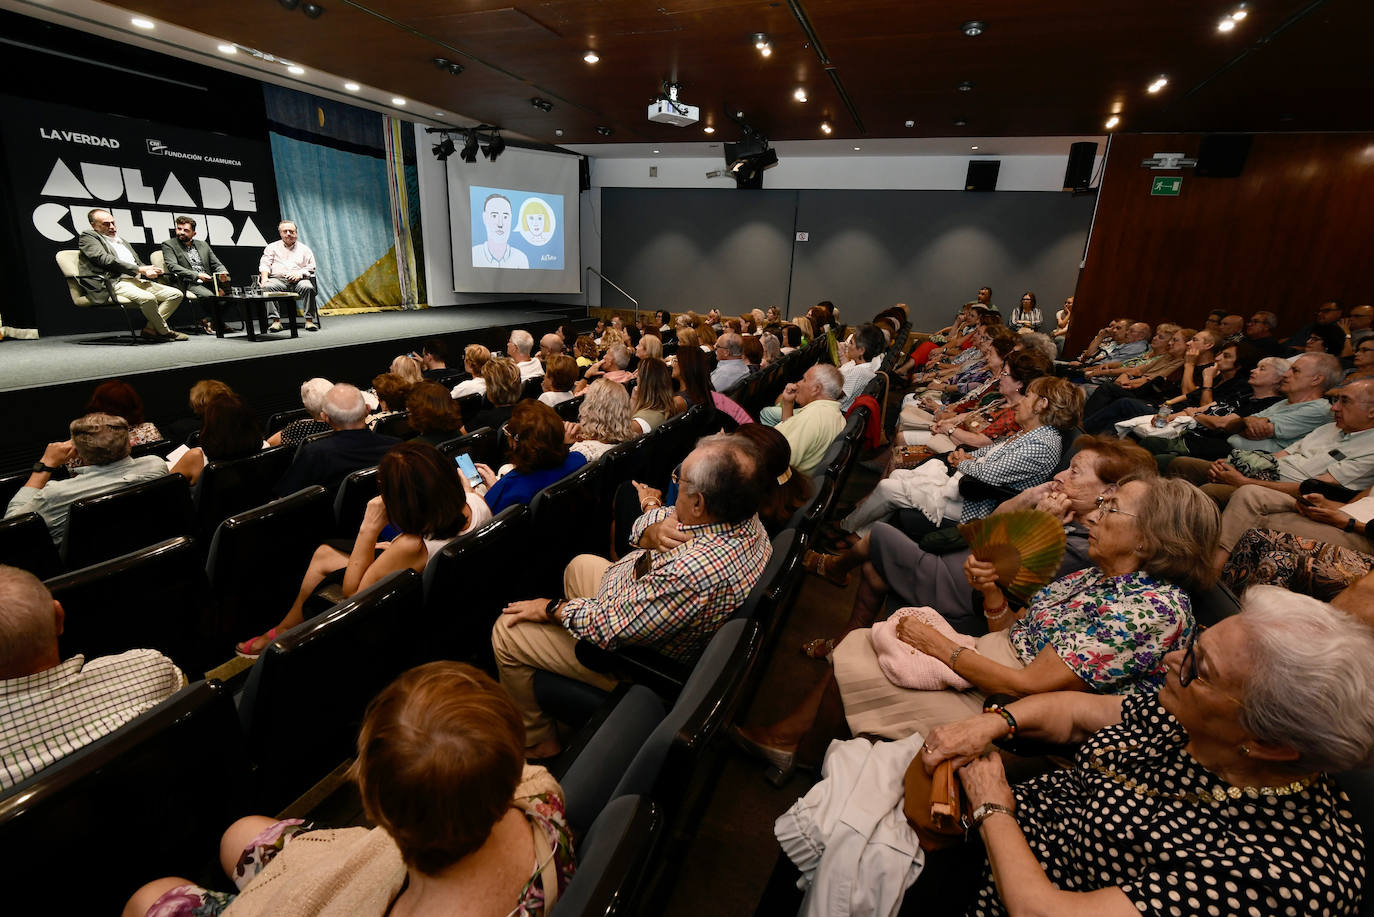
<point x="868" y="249"/>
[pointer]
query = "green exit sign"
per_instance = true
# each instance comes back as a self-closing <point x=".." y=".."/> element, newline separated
<point x="1166" y="186"/>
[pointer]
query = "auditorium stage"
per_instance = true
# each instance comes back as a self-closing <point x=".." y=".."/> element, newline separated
<point x="45" y="383"/>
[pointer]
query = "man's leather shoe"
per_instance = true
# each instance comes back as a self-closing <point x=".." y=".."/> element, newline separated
<point x="175" y="336"/>
<point x="155" y="336"/>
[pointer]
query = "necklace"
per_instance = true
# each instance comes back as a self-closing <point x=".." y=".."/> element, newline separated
<point x="1216" y="796"/>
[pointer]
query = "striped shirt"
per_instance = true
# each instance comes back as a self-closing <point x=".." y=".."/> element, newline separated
<point x="47" y="716"/>
<point x="683" y="596"/>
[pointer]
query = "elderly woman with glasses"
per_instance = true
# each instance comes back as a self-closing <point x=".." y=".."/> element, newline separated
<point x="1103" y="629"/>
<point x="1212" y="796"/>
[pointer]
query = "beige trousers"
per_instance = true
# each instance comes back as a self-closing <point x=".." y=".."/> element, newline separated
<point x="529" y="646"/>
<point x="1255" y="507"/>
<point x="156" y="301"/>
<point x="876" y="706"/>
<point x="1194" y="470"/>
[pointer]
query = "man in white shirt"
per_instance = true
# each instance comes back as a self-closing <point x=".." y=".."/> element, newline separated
<point x="496" y="251"/>
<point x="289" y="265"/>
<point x="49" y="708"/>
<point x="520" y="348"/>
<point x="730" y="365"/>
<point x="103" y="252"/>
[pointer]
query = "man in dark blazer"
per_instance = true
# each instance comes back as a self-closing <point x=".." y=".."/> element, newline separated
<point x="104" y="252"/>
<point x="192" y="263"/>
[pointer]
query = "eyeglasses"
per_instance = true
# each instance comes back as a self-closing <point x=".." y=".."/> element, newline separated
<point x="1188" y="670"/>
<point x="678" y="479"/>
<point x="1108" y="505"/>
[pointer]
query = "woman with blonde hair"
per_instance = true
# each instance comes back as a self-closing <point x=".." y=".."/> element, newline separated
<point x="686" y="338"/>
<point x="610" y="338"/>
<point x="653" y="401"/>
<point x="649" y="346"/>
<point x="475" y="358"/>
<point x="604" y="420"/>
<point x="408" y="368"/>
<point x="804" y="323"/>
<point x="503" y="391"/>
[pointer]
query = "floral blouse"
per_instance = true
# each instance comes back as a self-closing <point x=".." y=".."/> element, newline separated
<point x="1112" y="632"/>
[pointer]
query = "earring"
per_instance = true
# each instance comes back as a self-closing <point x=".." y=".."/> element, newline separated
<point x="1245" y="750"/>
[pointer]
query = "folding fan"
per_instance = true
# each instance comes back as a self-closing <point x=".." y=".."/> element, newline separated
<point x="1026" y="546"/>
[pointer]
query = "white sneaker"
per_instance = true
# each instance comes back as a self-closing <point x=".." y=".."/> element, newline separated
<point x="275" y="326"/>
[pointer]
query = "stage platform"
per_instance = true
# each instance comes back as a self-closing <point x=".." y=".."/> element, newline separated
<point x="44" y="384"/>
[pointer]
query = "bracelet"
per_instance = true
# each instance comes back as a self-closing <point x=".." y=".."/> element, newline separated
<point x="652" y="504"/>
<point x="954" y="657"/>
<point x="1350" y="525"/>
<point x="1000" y="609"/>
<point x="1005" y="714"/>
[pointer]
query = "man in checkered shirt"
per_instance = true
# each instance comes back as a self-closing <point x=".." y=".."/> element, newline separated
<point x="49" y="708"/>
<point x="697" y="562"/>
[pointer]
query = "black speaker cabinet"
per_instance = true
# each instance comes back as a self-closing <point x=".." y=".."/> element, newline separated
<point x="982" y="174"/>
<point x="1223" y="155"/>
<point x="584" y="174"/>
<point x="1080" y="171"/>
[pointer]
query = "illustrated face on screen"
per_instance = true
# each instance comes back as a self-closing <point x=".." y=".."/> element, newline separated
<point x="496" y="215"/>
<point x="536" y="222"/>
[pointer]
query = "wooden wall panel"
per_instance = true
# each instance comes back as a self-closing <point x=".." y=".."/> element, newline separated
<point x="1295" y="228"/>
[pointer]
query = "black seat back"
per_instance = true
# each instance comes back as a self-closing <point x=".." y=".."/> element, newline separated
<point x="173" y="779"/>
<point x="115" y="523"/>
<point x="305" y="696"/>
<point x="483" y="444"/>
<point x="397" y="425"/>
<point x="673" y="440"/>
<point x="26" y="544"/>
<point x="230" y="487"/>
<point x="465" y="592"/>
<point x="257" y="559"/>
<point x="564" y="522"/>
<point x="10" y="485"/>
<point x="152" y="598"/>
<point x="281" y="419"/>
<point x="571" y="409"/>
<point x="613" y="860"/>
<point x="159" y="447"/>
<point x="532" y="388"/>
<point x="350" y="503"/>
<point x="471" y="406"/>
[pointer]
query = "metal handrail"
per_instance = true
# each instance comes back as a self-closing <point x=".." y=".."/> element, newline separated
<point x="619" y="289"/>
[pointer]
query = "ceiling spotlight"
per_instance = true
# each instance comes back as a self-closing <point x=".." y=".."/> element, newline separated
<point x="226" y="49"/>
<point x="296" y="69"/>
<point x="708" y="129"/>
<point x="444" y="148"/>
<point x="290" y="4"/>
<point x="655" y="152"/>
<point x="558" y="132"/>
<point x="604" y="131"/>
<point x="960" y="122"/>
<point x="1158" y="84"/>
<point x="1226" y="24"/>
<point x="443" y="63"/>
<point x="1240" y="13"/>
<point x="469" y="153"/>
<point x="825" y="127"/>
<point x="974" y="147"/>
<point x="591" y="57"/>
<point x="495" y="147"/>
<point x="799" y="95"/>
<point x="352" y="87"/>
<point x="910" y="123"/>
<point x="143" y="23"/>
<point x="857" y="148"/>
<point x="542" y="104"/>
<point x="761" y="42"/>
<point x="973" y="28"/>
<point x="313" y="10"/>
<point x="398" y="101"/>
<point x="1112" y="122"/>
<point x="966" y="85"/>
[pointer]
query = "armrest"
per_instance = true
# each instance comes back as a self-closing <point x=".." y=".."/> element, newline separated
<point x="638" y="664"/>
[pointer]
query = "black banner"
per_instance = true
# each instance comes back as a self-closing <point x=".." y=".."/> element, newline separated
<point x="63" y="162"/>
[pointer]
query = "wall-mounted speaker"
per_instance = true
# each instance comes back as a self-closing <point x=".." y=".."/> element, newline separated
<point x="584" y="174"/>
<point x="1079" y="174"/>
<point x="982" y="174"/>
<point x="1223" y="155"/>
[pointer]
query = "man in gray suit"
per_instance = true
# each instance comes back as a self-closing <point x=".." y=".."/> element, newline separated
<point x="104" y="252"/>
<point x="192" y="264"/>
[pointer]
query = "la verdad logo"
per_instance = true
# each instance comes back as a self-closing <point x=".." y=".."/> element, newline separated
<point x="78" y="137"/>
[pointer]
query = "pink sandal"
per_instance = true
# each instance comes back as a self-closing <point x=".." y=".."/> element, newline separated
<point x="245" y="649"/>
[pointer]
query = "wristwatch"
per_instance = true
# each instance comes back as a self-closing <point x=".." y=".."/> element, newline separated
<point x="552" y="607"/>
<point x="40" y="468"/>
<point x="986" y="810"/>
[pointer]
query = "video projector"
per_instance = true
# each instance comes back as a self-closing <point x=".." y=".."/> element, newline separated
<point x="669" y="111"/>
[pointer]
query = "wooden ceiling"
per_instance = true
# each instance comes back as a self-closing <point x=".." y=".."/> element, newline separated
<point x="1047" y="67"/>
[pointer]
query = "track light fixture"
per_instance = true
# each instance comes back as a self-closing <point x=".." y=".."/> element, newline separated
<point x="469" y="153"/>
<point x="604" y="131"/>
<point x="290" y="4"/>
<point x="494" y="147"/>
<point x="542" y="104"/>
<point x="452" y="66"/>
<point x="312" y="10"/>
<point x="444" y="148"/>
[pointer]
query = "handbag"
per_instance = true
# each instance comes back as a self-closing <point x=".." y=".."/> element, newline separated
<point x="934" y="805"/>
<point x="945" y="540"/>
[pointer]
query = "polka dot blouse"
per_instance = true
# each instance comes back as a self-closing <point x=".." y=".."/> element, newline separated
<point x="1139" y="813"/>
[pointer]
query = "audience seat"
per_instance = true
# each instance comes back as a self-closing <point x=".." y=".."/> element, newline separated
<point x="471" y="405"/>
<point x="314" y="437"/>
<point x="593" y="765"/>
<point x="1359" y="786"/>
<point x="304" y="699"/>
<point x="26" y="544"/>
<point x="230" y="487"/>
<point x="1216" y="603"/>
<point x="165" y="785"/>
<point x="159" y="447"/>
<point x="567" y="518"/>
<point x="153" y="598"/>
<point x="257" y="558"/>
<point x="281" y="419"/>
<point x="483" y="444"/>
<point x="675" y="438"/>
<point x="612" y="860"/>
<point x="350" y="503"/>
<point x="119" y="521"/>
<point x="813" y="512"/>
<point x="569" y="410"/>
<point x="467" y="585"/>
<point x="532" y="388"/>
<point x="397" y="425"/>
<point x="10" y="485"/>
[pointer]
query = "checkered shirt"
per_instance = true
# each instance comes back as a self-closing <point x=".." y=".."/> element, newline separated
<point x="685" y="595"/>
<point x="47" y="716"/>
<point x="1020" y="461"/>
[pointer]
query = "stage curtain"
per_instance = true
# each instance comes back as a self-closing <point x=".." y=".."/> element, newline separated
<point x="345" y="175"/>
